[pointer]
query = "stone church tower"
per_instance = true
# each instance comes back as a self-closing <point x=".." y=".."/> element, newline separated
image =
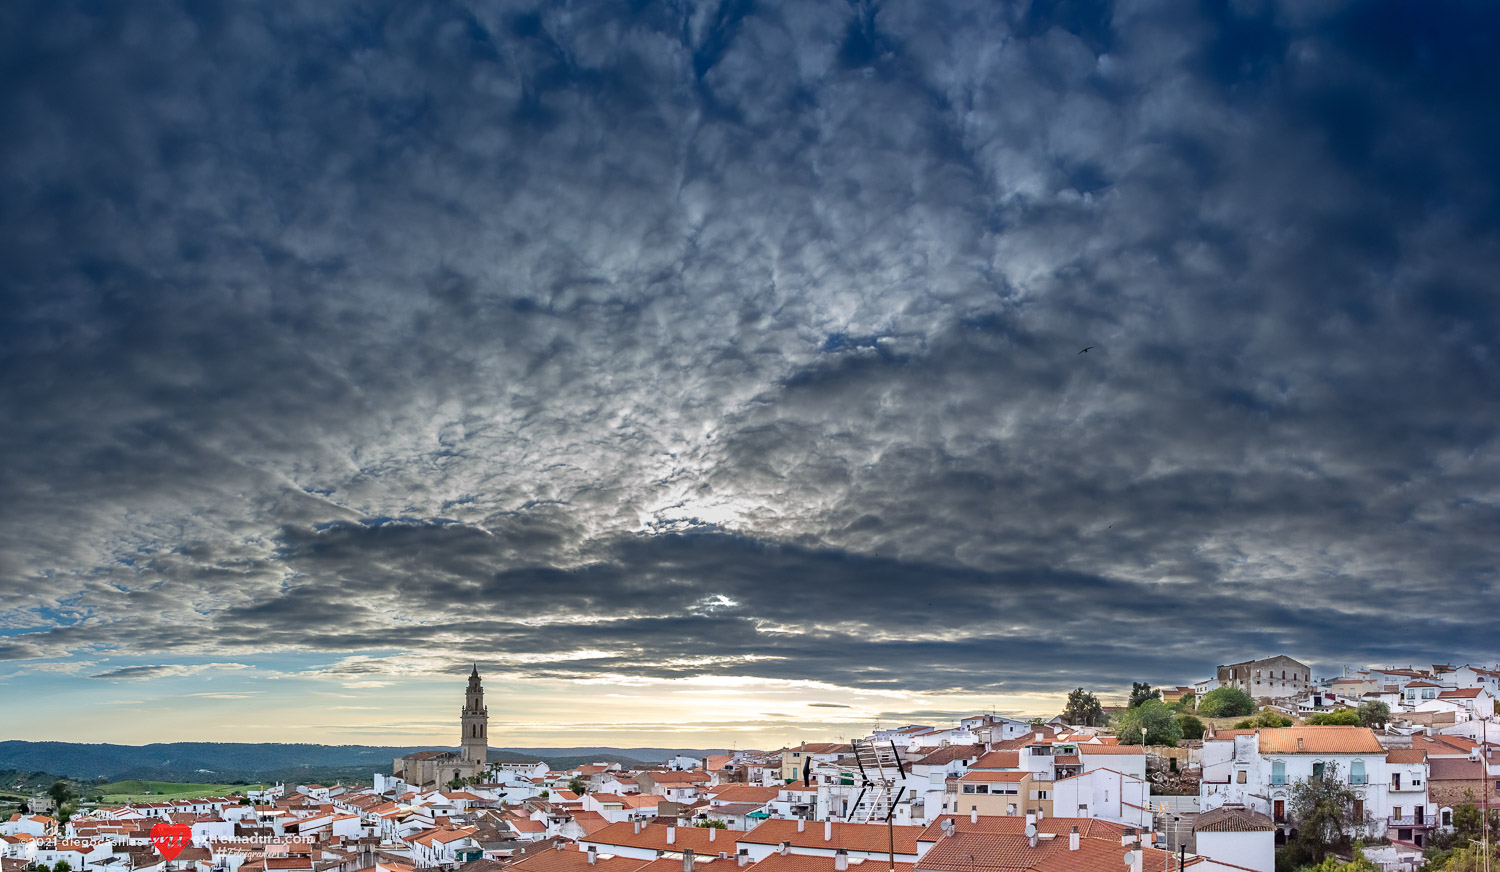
<point x="476" y="722"/>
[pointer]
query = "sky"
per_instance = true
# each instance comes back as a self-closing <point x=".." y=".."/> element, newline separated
<point x="733" y="373"/>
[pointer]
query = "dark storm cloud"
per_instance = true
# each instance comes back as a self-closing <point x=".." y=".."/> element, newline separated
<point x="744" y="340"/>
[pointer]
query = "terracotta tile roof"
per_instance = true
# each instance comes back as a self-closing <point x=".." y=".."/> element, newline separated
<point x="570" y="859"/>
<point x="1468" y="693"/>
<point x="654" y="836"/>
<point x="1088" y="827"/>
<point x="944" y="756"/>
<point x="693" y="776"/>
<point x="998" y="760"/>
<point x="996" y="852"/>
<point x="993" y="775"/>
<point x="1112" y="750"/>
<point x="849" y="836"/>
<point x="591" y="821"/>
<point x="1406" y="755"/>
<point x="1319" y="740"/>
<point x="1444" y="746"/>
<point x="1233" y="819"/>
<point x="744" y="793"/>
<point x="823" y="748"/>
<point x="810" y="863"/>
<point x="1454" y="769"/>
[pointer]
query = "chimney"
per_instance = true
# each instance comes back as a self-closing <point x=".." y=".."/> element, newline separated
<point x="593" y="854"/>
<point x="743" y="857"/>
<point x="1299" y="743"/>
<point x="1128" y="836"/>
<point x="687" y="860"/>
<point x="1073" y="839"/>
<point x="841" y="860"/>
<point x="1039" y="813"/>
<point x="783" y="848"/>
<point x="801" y="824"/>
<point x="948" y="826"/>
<point x="974" y="814"/>
<point x="638" y="826"/>
<point x="671" y="835"/>
<point x="558" y="845"/>
<point x="711" y="833"/>
<point x="1031" y="819"/>
<point x="1038" y="737"/>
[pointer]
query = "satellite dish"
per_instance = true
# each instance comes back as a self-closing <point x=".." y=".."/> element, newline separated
<point x="1129" y="858"/>
<point x="1030" y="830"/>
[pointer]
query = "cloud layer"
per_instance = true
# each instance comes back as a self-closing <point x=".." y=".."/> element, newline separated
<point x="743" y="340"/>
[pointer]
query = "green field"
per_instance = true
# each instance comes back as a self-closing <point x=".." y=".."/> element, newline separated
<point x="136" y="790"/>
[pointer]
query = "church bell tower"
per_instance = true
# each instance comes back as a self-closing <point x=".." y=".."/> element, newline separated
<point x="476" y="721"/>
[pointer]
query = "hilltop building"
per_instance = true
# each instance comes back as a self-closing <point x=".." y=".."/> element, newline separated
<point x="429" y="770"/>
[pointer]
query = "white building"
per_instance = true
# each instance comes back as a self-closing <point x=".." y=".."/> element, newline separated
<point x="1258" y="768"/>
<point x="1466" y="704"/>
<point x="1104" y="794"/>
<point x="1238" y="835"/>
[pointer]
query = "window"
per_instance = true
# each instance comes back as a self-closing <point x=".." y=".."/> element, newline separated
<point x="1318" y="769"/>
<point x="1359" y="809"/>
<point x="1357" y="772"/>
<point x="1447" y="818"/>
<point x="1240" y="776"/>
<point x="1278" y="772"/>
<point x="1395" y="780"/>
<point x="1283" y="675"/>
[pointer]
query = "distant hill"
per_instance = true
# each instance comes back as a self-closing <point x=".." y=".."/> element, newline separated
<point x="224" y="762"/>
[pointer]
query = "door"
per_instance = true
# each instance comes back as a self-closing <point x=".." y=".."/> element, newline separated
<point x="1279" y="810"/>
<point x="1418" y="812"/>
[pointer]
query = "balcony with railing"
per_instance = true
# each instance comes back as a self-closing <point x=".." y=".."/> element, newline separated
<point x="1424" y="822"/>
<point x="1408" y="787"/>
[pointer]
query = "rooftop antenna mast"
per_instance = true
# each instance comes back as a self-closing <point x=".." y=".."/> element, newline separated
<point x="881" y="774"/>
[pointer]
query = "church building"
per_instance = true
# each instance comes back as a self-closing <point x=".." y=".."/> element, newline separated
<point x="430" y="770"/>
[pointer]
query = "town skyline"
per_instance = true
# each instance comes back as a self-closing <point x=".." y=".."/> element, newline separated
<point x="740" y="371"/>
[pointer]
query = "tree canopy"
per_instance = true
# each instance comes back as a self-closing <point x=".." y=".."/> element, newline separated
<point x="1323" y="809"/>
<point x="1374" y="713"/>
<point x="1190" y="726"/>
<point x="1140" y="691"/>
<point x="1336" y="718"/>
<point x="1160" y="722"/>
<point x="1083" y="709"/>
<point x="1226" y="702"/>
<point x="1264" y="718"/>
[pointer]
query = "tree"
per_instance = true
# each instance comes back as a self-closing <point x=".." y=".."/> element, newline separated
<point x="43" y="867"/>
<point x="1160" y="723"/>
<point x="1083" y="709"/>
<point x="1323" y="809"/>
<point x="1226" y="702"/>
<point x="62" y="866"/>
<point x="1190" y="726"/>
<point x="1336" y="718"/>
<point x="1140" y="691"/>
<point x="1374" y="713"/>
<point x="577" y="786"/>
<point x="1333" y="864"/>
<point x="712" y="825"/>
<point x="61" y="793"/>
<point x="1264" y="718"/>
